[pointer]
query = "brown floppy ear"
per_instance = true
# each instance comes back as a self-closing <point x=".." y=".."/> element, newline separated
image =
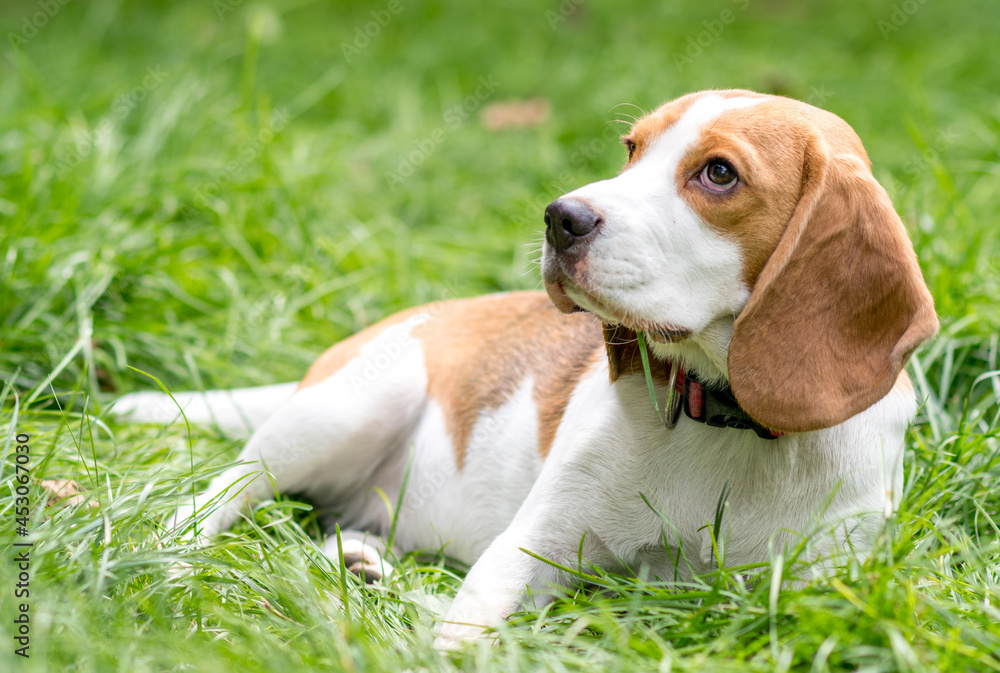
<point x="838" y="308"/>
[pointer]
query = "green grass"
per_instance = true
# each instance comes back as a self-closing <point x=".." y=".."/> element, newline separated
<point x="171" y="232"/>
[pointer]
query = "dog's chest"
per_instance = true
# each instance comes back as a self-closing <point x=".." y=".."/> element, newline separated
<point x="634" y="483"/>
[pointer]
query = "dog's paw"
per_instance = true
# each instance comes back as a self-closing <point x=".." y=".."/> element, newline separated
<point x="360" y="558"/>
<point x="371" y="572"/>
<point x="454" y="636"/>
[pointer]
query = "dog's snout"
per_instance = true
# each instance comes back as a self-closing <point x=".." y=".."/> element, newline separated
<point x="567" y="221"/>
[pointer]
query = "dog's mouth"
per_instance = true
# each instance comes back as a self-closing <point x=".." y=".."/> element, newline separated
<point x="563" y="302"/>
<point x="569" y="297"/>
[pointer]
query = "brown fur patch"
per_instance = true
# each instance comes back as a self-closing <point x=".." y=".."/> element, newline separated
<point x="768" y="145"/>
<point x="838" y="301"/>
<point x="478" y="351"/>
<point x="647" y="129"/>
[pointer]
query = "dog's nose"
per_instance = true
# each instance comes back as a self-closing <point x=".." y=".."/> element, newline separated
<point x="567" y="221"/>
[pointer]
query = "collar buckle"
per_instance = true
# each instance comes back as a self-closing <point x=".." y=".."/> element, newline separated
<point x="712" y="405"/>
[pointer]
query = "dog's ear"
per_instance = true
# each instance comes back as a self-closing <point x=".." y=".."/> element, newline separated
<point x="838" y="308"/>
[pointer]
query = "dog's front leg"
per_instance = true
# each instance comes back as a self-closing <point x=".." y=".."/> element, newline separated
<point x="497" y="586"/>
<point x="552" y="523"/>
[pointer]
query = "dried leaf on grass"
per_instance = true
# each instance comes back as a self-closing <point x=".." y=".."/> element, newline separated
<point x="513" y="114"/>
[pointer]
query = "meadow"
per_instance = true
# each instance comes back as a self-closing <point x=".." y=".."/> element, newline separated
<point x="204" y="194"/>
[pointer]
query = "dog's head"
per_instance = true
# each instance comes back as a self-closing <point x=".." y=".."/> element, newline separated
<point x="747" y="236"/>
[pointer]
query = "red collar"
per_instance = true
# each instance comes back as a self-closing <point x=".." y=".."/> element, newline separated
<point x="712" y="405"/>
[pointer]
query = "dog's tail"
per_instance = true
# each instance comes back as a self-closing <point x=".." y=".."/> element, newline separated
<point x="235" y="413"/>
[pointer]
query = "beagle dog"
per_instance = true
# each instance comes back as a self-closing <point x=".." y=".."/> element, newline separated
<point x="779" y="298"/>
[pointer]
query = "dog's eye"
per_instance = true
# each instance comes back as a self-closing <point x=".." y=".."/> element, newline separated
<point x="719" y="176"/>
<point x="629" y="145"/>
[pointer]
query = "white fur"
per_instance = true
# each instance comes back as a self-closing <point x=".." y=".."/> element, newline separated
<point x="327" y="442"/>
<point x="655" y="260"/>
<point x="372" y="422"/>
<point x="466" y="509"/>
<point x="612" y="448"/>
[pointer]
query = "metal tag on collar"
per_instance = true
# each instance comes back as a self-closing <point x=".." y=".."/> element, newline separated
<point x="672" y="405"/>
